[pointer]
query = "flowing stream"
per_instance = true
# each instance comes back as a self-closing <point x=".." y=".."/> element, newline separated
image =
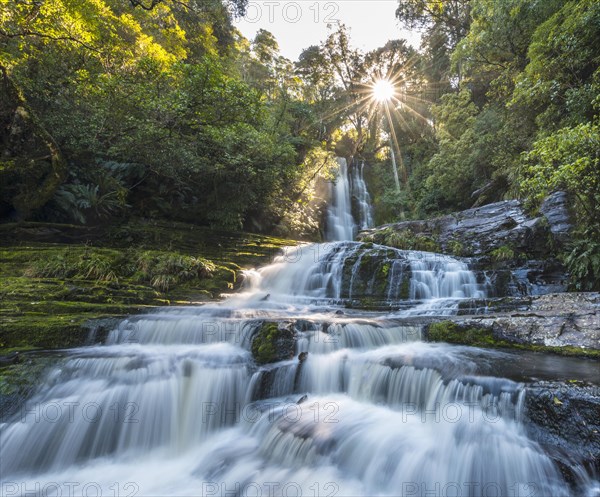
<point x="174" y="403"/>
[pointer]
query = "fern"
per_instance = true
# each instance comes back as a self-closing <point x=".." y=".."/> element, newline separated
<point x="583" y="263"/>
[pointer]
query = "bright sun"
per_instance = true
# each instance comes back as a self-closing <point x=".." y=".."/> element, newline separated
<point x="383" y="90"/>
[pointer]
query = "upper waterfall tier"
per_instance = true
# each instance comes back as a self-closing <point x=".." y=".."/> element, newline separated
<point x="351" y="270"/>
<point x="350" y="207"/>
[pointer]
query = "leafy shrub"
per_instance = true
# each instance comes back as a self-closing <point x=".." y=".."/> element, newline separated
<point x="583" y="263"/>
<point x="80" y="202"/>
<point x="162" y="271"/>
<point x="503" y="253"/>
<point x="73" y="264"/>
<point x="456" y="248"/>
<point x="59" y="266"/>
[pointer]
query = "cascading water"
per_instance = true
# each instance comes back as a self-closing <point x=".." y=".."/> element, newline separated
<point x="174" y="402"/>
<point x="341" y="224"/>
<point x="352" y="270"/>
<point x="363" y="199"/>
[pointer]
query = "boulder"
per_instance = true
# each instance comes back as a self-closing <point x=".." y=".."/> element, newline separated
<point x="563" y="418"/>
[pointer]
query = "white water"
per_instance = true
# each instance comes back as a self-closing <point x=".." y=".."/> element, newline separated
<point x="173" y="403"/>
<point x="363" y="199"/>
<point x="314" y="273"/>
<point x="341" y="224"/>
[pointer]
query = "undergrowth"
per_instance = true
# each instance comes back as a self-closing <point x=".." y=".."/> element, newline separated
<point x="160" y="270"/>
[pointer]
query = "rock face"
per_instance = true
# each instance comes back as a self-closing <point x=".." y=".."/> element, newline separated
<point x="563" y="418"/>
<point x="555" y="210"/>
<point x="555" y="320"/>
<point x="480" y="231"/>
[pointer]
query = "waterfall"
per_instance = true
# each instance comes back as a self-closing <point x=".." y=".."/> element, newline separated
<point x="363" y="199"/>
<point x="173" y="403"/>
<point x="341" y="224"/>
<point x="352" y="270"/>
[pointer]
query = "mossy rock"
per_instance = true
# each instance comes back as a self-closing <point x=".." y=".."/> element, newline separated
<point x="464" y="334"/>
<point x="18" y="381"/>
<point x="273" y="342"/>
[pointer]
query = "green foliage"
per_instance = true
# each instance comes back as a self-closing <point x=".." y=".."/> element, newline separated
<point x="583" y="263"/>
<point x="450" y="17"/>
<point x="568" y="159"/>
<point x="162" y="271"/>
<point x="503" y="253"/>
<point x="562" y="78"/>
<point x="167" y="111"/>
<point x="456" y="248"/>
<point x="76" y="201"/>
<point x="165" y="270"/>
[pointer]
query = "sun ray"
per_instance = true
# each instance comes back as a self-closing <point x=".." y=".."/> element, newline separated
<point x="395" y="139"/>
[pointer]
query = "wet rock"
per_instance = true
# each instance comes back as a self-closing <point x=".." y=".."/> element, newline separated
<point x="563" y="418"/>
<point x="517" y="278"/>
<point x="564" y="320"/>
<point x="557" y="320"/>
<point x="555" y="209"/>
<point x="573" y="330"/>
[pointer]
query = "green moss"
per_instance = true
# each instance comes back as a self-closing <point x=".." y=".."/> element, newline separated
<point x="450" y="332"/>
<point x="447" y="331"/>
<point x="385" y="269"/>
<point x="381" y="279"/>
<point x="19" y="379"/>
<point x="369" y="304"/>
<point x="263" y="345"/>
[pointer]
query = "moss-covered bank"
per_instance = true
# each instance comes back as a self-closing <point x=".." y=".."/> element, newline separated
<point x="56" y="278"/>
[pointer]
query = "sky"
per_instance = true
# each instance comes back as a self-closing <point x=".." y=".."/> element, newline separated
<point x="299" y="24"/>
